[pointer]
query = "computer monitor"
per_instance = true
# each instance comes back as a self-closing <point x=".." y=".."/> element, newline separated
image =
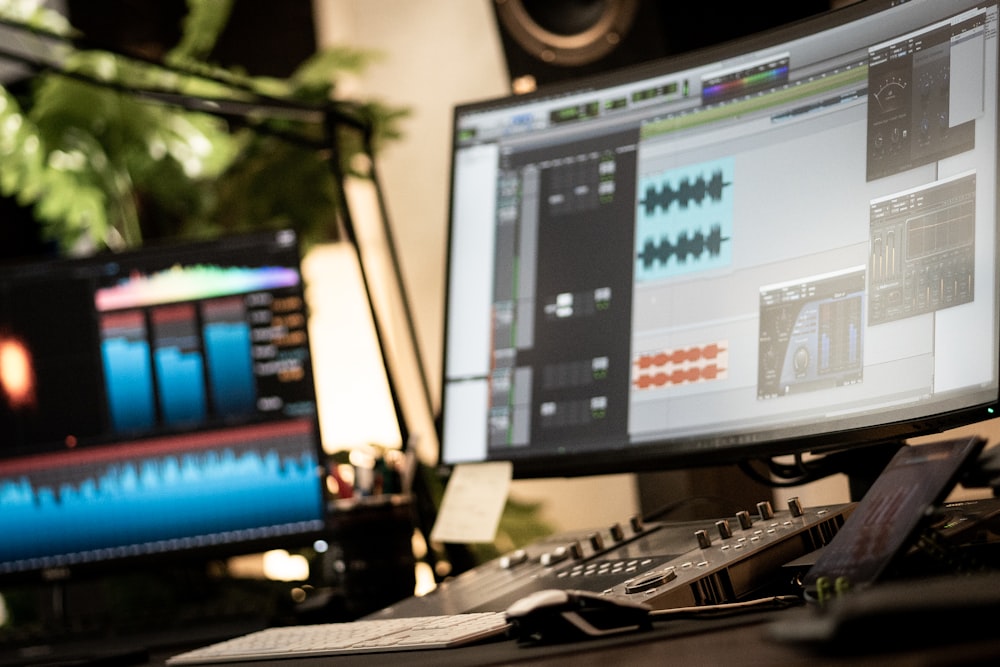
<point x="782" y="244"/>
<point x="156" y="403"/>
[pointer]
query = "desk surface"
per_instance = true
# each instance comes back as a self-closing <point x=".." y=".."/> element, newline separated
<point x="744" y="640"/>
<point x="932" y="621"/>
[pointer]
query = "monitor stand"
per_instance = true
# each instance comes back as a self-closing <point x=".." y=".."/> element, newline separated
<point x="864" y="465"/>
<point x="698" y="493"/>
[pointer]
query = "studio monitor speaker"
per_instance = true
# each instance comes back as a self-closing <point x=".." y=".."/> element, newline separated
<point x="545" y="41"/>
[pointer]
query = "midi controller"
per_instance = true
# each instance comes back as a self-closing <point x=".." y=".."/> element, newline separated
<point x="662" y="564"/>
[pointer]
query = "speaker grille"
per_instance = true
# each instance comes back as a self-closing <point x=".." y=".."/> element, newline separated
<point x="567" y="32"/>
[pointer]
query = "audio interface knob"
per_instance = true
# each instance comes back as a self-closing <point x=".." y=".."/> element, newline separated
<point x="596" y="541"/>
<point x="725" y="530"/>
<point x="617" y="532"/>
<point x="765" y="511"/>
<point x="795" y="506"/>
<point x="648" y="581"/>
<point x="744" y="518"/>
<point x="704" y="541"/>
<point x="636" y="524"/>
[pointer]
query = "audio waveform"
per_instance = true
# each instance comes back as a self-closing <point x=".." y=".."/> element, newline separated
<point x="669" y="226"/>
<point x="679" y="376"/>
<point x="687" y="191"/>
<point x="130" y="505"/>
<point x="679" y="356"/>
<point x="678" y="366"/>
<point x="684" y="247"/>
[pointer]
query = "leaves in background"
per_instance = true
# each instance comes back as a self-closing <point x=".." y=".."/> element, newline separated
<point x="104" y="165"/>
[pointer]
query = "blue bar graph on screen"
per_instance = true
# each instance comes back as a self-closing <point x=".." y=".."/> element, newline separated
<point x="128" y="371"/>
<point x="207" y="494"/>
<point x="228" y="351"/>
<point x="198" y="366"/>
<point x="182" y="393"/>
<point x="180" y="366"/>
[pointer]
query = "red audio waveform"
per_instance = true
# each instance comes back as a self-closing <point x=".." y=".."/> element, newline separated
<point x="693" y="374"/>
<point x="677" y="357"/>
<point x="681" y="366"/>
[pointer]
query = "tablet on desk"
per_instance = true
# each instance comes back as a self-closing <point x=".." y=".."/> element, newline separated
<point x="916" y="479"/>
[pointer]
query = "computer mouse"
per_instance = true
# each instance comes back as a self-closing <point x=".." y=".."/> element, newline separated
<point x="554" y="615"/>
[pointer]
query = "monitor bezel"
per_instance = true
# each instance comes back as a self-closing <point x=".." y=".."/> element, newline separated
<point x="199" y="556"/>
<point x="700" y="451"/>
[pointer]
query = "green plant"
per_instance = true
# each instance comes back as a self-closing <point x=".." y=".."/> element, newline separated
<point x="101" y="164"/>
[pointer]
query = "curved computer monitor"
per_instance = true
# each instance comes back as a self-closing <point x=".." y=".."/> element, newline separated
<point x="782" y="244"/>
<point x="155" y="405"/>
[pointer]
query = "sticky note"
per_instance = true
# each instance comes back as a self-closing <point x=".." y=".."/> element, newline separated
<point x="473" y="502"/>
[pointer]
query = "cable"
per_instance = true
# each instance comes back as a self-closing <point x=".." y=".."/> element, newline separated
<point x="858" y="464"/>
<point x="728" y="608"/>
<point x="781" y="476"/>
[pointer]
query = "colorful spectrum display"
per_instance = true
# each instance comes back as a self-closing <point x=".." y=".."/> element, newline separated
<point x="190" y="283"/>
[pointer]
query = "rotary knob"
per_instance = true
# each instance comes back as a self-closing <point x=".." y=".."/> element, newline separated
<point x="704" y="541"/>
<point x="648" y="581"/>
<point x="617" y="532"/>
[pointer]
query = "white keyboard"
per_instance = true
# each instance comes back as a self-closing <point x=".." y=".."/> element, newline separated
<point x="364" y="636"/>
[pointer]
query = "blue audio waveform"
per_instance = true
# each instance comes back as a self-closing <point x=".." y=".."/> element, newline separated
<point x="697" y="190"/>
<point x="683" y="248"/>
<point x="685" y="214"/>
<point x="158" y="504"/>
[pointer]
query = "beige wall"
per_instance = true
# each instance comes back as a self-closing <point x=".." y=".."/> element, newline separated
<point x="435" y="53"/>
<point x="438" y="53"/>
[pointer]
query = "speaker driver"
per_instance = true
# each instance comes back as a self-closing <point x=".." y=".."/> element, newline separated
<point x="567" y="33"/>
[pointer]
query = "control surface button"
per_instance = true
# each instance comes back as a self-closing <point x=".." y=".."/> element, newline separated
<point x="513" y="559"/>
<point x="557" y="555"/>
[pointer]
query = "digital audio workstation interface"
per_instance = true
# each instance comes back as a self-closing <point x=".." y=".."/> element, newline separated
<point x="156" y="401"/>
<point x="788" y="239"/>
